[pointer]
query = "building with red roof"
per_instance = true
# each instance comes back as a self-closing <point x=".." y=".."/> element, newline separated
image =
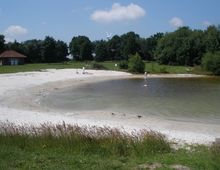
<point x="11" y="57"/>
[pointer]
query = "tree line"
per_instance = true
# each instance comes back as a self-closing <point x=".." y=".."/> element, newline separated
<point x="38" y="51"/>
<point x="181" y="47"/>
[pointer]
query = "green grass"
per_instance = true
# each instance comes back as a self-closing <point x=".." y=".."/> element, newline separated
<point x="155" y="68"/>
<point x="72" y="147"/>
<point x="38" y="67"/>
<point x="151" y="67"/>
<point x="42" y="66"/>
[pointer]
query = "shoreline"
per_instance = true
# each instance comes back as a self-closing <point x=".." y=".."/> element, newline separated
<point x="20" y="91"/>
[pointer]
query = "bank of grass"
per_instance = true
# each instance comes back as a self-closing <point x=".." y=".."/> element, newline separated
<point x="155" y="68"/>
<point x="72" y="147"/>
<point x="39" y="67"/>
<point x="151" y="67"/>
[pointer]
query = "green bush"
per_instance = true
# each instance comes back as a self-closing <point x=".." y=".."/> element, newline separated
<point x="136" y="64"/>
<point x="123" y="64"/>
<point x="211" y="62"/>
<point x="163" y="70"/>
<point x="95" y="65"/>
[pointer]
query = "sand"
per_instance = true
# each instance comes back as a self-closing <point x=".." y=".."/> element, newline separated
<point x="20" y="95"/>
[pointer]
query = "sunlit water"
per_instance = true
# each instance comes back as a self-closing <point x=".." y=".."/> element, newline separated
<point x="182" y="99"/>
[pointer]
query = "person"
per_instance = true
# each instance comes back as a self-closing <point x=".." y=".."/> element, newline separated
<point x="145" y="79"/>
<point x="145" y="75"/>
<point x="83" y="70"/>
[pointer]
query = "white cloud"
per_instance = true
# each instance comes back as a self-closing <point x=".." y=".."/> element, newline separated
<point x="176" y="22"/>
<point x="15" y="30"/>
<point x="206" y="23"/>
<point x="7" y="39"/>
<point x="118" y="13"/>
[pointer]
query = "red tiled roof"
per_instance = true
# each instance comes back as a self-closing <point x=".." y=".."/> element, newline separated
<point x="11" y="54"/>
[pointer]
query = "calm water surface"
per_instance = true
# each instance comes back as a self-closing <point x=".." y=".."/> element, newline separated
<point x="182" y="99"/>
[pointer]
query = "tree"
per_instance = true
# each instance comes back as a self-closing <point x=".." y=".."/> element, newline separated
<point x="182" y="47"/>
<point x="61" y="51"/>
<point x="148" y="46"/>
<point x="135" y="64"/>
<point x="114" y="46"/>
<point x="49" y="50"/>
<point x="2" y="43"/>
<point x="211" y="62"/>
<point x="101" y="51"/>
<point x="86" y="51"/>
<point x="16" y="46"/>
<point x="144" y="49"/>
<point x="129" y="44"/>
<point x="164" y="52"/>
<point x="198" y="47"/>
<point x="33" y="50"/>
<point x="212" y="38"/>
<point x="81" y="48"/>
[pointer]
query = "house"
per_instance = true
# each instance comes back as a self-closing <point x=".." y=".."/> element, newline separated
<point x="11" y="57"/>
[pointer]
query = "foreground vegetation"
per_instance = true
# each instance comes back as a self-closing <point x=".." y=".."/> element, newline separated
<point x="150" y="67"/>
<point x="72" y="147"/>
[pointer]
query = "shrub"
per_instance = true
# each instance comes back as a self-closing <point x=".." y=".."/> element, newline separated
<point x="95" y="65"/>
<point x="123" y="64"/>
<point x="163" y="70"/>
<point x="211" y="62"/>
<point x="136" y="64"/>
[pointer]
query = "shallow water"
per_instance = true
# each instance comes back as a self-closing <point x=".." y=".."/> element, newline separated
<point x="182" y="99"/>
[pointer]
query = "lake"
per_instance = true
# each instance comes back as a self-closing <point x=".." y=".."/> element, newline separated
<point x="181" y="99"/>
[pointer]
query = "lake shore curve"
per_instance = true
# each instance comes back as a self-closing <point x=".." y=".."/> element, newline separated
<point x="20" y="95"/>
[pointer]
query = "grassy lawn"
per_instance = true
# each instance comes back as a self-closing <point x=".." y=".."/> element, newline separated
<point x="61" y="156"/>
<point x="149" y="67"/>
<point x="72" y="147"/>
<point x="154" y="67"/>
<point x="38" y="67"/>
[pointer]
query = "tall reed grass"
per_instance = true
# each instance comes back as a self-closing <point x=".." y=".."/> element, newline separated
<point x="66" y="146"/>
<point x="99" y="140"/>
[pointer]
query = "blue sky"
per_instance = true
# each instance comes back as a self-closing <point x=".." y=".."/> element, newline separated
<point x="63" y="19"/>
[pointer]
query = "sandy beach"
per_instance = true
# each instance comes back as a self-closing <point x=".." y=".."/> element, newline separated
<point x="20" y="95"/>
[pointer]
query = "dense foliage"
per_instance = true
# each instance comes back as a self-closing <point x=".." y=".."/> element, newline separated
<point x="148" y="46"/>
<point x="181" y="47"/>
<point x="40" y="51"/>
<point x="101" y="51"/>
<point x="2" y="43"/>
<point x="135" y="64"/>
<point x="123" y="64"/>
<point x="211" y="62"/>
<point x="81" y="48"/>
